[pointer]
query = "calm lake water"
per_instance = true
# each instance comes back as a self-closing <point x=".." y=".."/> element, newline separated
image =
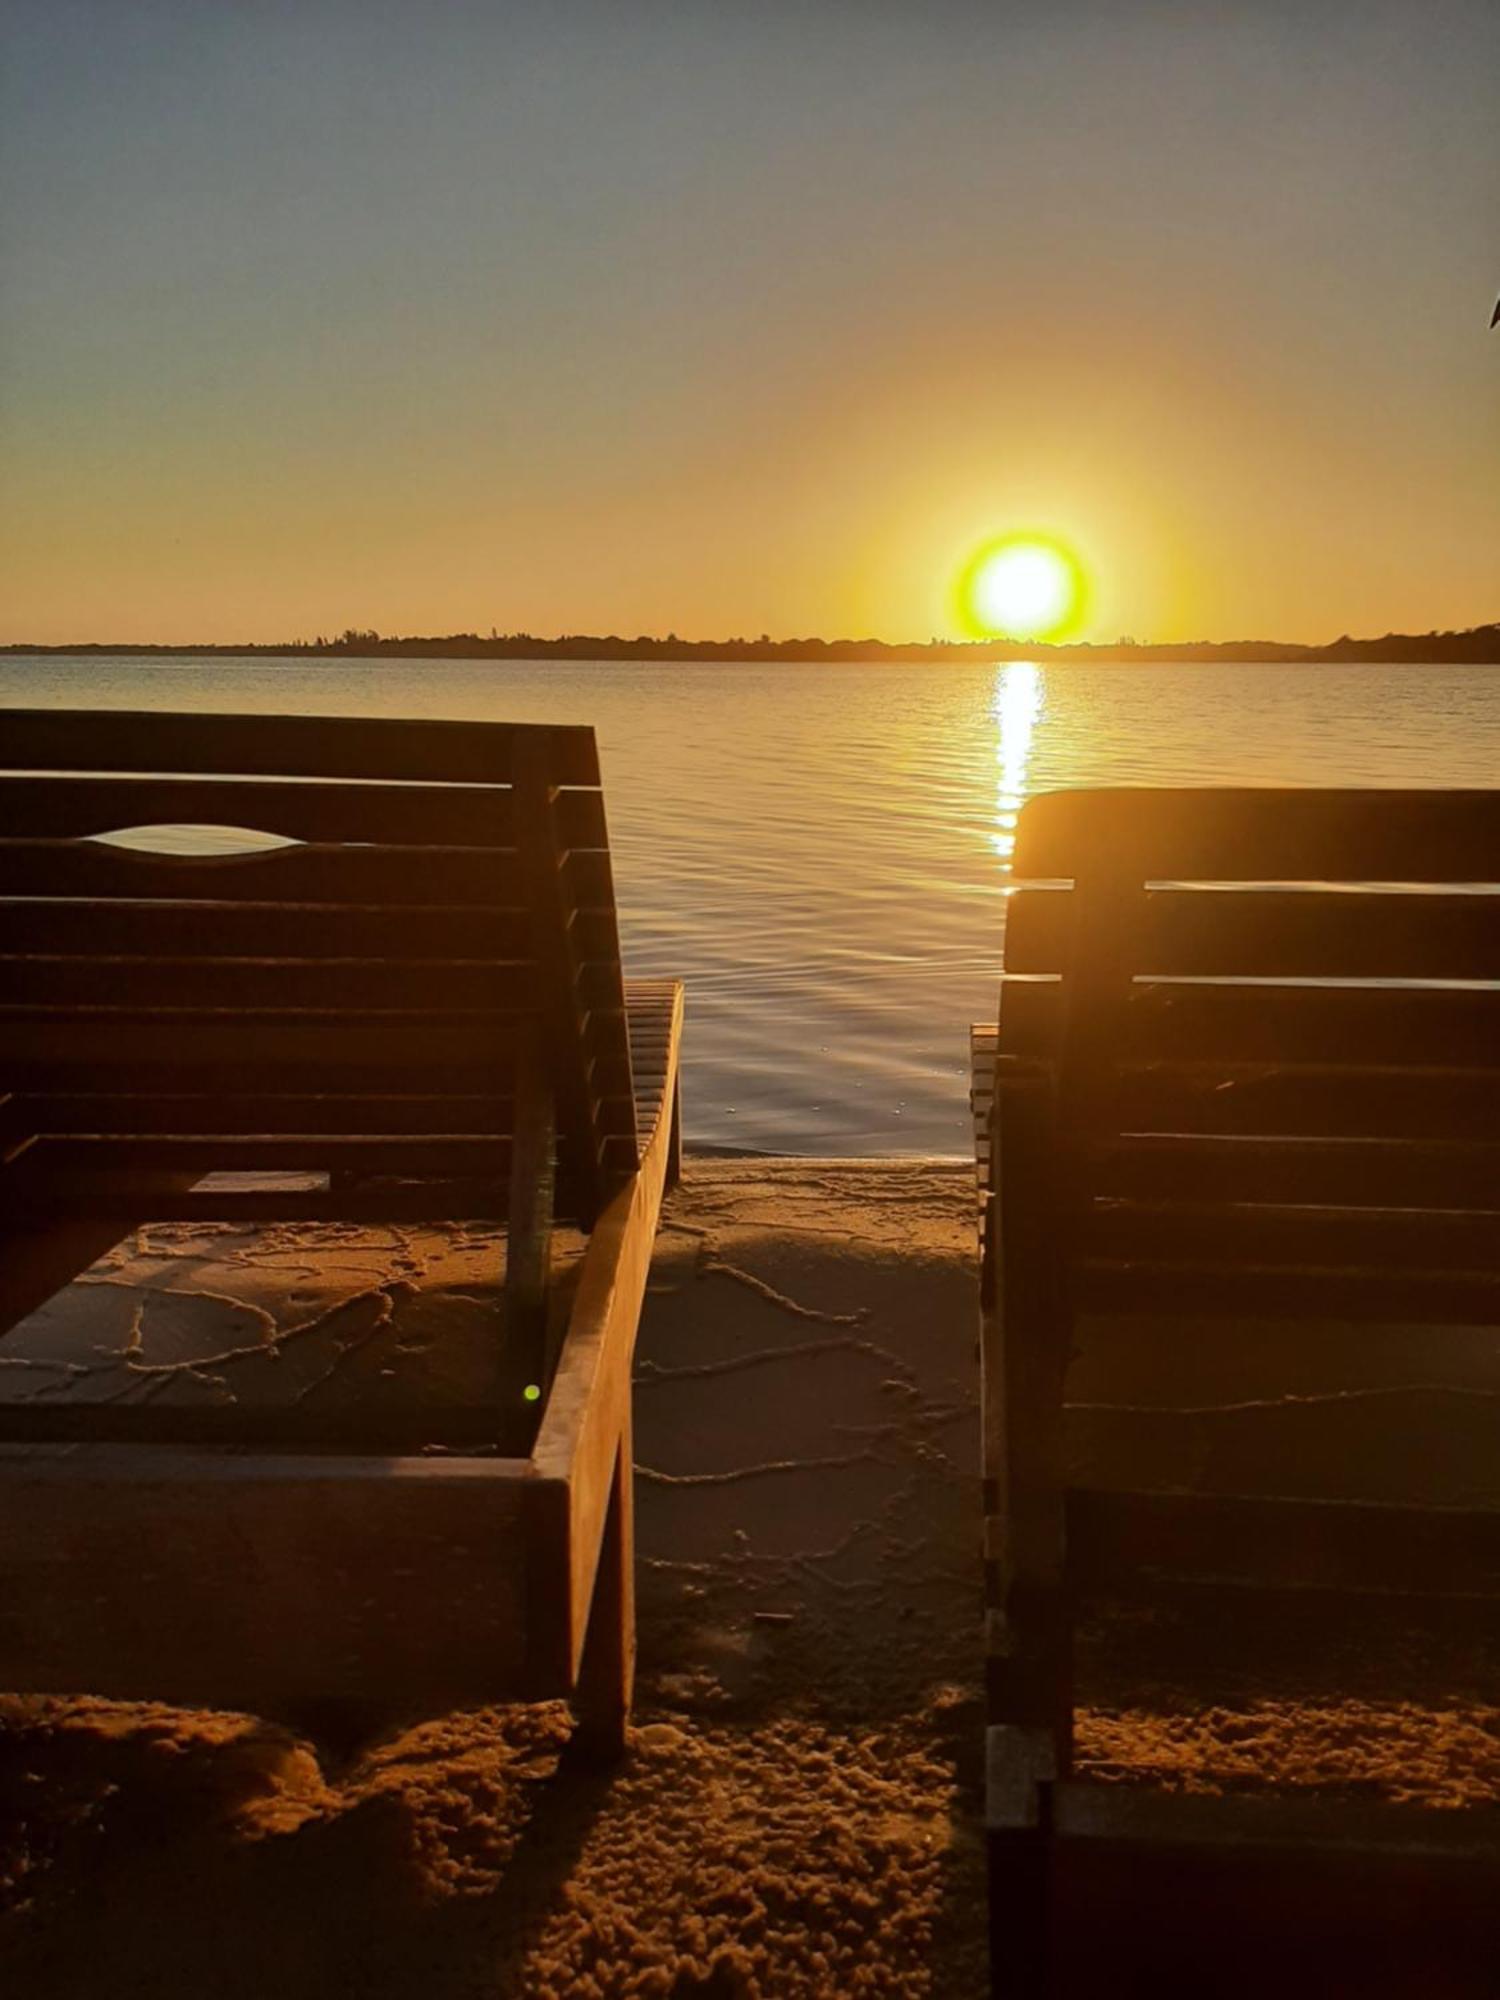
<point x="821" y="852"/>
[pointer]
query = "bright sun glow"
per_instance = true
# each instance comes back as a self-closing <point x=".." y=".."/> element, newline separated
<point x="1021" y="587"/>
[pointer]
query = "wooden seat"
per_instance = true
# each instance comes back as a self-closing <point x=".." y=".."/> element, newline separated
<point x="1247" y="1067"/>
<point x="380" y="977"/>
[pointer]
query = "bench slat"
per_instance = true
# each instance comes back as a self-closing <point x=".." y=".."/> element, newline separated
<point x="354" y="986"/>
<point x="305" y="874"/>
<point x="1306" y="1831"/>
<point x="272" y="930"/>
<point x="462" y="1157"/>
<point x="287" y="1053"/>
<point x="1328" y="1173"/>
<point x="1308" y="1102"/>
<point x="1237" y="1292"/>
<point x="63" y="808"/>
<point x="1187" y="834"/>
<point x="1297" y="1544"/>
<point x="1198" y="1232"/>
<point x="305" y="1072"/>
<point x="291" y="746"/>
<point x="280" y="1426"/>
<point x="175" y="1113"/>
<point x="1330" y="1026"/>
<point x="1287" y="934"/>
<point x="36" y="1045"/>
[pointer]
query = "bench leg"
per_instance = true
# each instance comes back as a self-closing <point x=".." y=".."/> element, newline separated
<point x="606" y="1680"/>
<point x="1020" y="1765"/>
<point x="1020" y="1886"/>
<point x="528" y="1244"/>
<point x="674" y="1140"/>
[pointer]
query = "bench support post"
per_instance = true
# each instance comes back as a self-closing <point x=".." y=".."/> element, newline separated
<point x="606" y="1679"/>
<point x="528" y="1248"/>
<point x="1026" y="1339"/>
<point x="674" y="1140"/>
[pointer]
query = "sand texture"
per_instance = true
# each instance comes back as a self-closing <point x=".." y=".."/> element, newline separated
<point x="799" y="1813"/>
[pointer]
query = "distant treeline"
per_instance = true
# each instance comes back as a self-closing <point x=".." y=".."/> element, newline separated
<point x="1479" y="645"/>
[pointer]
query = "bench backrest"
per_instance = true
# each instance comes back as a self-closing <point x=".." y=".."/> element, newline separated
<point x="443" y="912"/>
<point x="1274" y="1024"/>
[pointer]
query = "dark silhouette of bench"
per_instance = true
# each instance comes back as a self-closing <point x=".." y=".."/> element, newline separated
<point x="412" y="1008"/>
<point x="1209" y="1100"/>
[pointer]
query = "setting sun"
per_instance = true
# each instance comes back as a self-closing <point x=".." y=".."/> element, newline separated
<point x="1021" y="587"/>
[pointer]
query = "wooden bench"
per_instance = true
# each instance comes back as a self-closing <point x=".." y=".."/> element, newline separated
<point x="414" y="1005"/>
<point x="1207" y="1100"/>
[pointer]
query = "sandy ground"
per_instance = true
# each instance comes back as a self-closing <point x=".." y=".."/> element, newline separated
<point x="799" y="1814"/>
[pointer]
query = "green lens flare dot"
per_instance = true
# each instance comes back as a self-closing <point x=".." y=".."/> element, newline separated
<point x="532" y="1392"/>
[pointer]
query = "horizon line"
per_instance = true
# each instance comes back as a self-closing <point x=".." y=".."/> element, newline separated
<point x="362" y="641"/>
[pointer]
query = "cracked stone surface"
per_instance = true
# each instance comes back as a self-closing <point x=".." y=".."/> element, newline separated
<point x="317" y="1313"/>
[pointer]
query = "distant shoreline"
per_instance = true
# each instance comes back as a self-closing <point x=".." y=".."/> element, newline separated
<point x="1477" y="646"/>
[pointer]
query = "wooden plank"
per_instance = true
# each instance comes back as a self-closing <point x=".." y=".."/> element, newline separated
<point x="108" y="1200"/>
<point x="1307" y="1102"/>
<point x="1230" y="1291"/>
<point x="606" y="1672"/>
<point x="1329" y="1173"/>
<point x="1288" y="1544"/>
<point x="400" y="1048"/>
<point x="983" y="1036"/>
<point x="577" y="1447"/>
<point x="1096" y="992"/>
<point x="570" y="1045"/>
<point x="1220" y="833"/>
<point x="323" y="985"/>
<point x="1276" y="934"/>
<point x="280" y="1427"/>
<point x="1020" y="1782"/>
<point x="1024" y="1357"/>
<point x="360" y="1062"/>
<point x="305" y="874"/>
<point x="1146" y="1817"/>
<point x="288" y="746"/>
<point x="1353" y="1026"/>
<point x="154" y="930"/>
<point x="1031" y="1018"/>
<point x="1263" y="1098"/>
<point x="616" y="1117"/>
<point x="179" y="1113"/>
<point x="243" y="1134"/>
<point x="104" y="1200"/>
<point x="587" y="884"/>
<point x="653" y="1022"/>
<point x="277" y="930"/>
<point x="528" y="1262"/>
<point x="233" y="1580"/>
<point x="1200" y="1232"/>
<point x="355" y="986"/>
<point x="449" y="1158"/>
<point x="61" y="808"/>
<point x="1020" y="1771"/>
<point x="48" y="1073"/>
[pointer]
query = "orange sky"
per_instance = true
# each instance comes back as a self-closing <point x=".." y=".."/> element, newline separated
<point x="730" y="321"/>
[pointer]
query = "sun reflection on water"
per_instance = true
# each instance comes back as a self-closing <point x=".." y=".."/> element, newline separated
<point x="1016" y="706"/>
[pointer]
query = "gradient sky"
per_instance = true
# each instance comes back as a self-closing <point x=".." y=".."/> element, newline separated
<point x="727" y="318"/>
